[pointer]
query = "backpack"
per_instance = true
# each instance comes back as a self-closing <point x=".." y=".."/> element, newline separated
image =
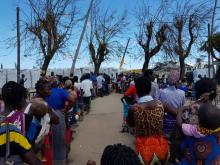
<point x="10" y="159"/>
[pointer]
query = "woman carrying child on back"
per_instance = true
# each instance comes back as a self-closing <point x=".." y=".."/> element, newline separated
<point x="200" y="125"/>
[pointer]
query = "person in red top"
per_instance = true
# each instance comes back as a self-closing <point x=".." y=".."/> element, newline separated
<point x="129" y="98"/>
<point x="131" y="93"/>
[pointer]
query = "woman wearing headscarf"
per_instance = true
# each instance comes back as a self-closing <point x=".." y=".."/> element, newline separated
<point x="174" y="98"/>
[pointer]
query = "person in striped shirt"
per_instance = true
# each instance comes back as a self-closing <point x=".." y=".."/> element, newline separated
<point x="18" y="145"/>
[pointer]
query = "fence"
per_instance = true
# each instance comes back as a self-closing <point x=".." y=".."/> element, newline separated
<point x="33" y="75"/>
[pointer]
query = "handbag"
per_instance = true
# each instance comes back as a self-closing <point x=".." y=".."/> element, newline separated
<point x="10" y="159"/>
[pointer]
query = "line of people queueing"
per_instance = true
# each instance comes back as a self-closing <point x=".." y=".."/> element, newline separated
<point x="39" y="131"/>
<point x="167" y="129"/>
<point x="161" y="122"/>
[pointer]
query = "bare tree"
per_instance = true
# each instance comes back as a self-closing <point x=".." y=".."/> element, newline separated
<point x="188" y="23"/>
<point x="48" y="27"/>
<point x="105" y="29"/>
<point x="152" y="31"/>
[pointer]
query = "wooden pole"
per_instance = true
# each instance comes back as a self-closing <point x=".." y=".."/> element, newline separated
<point x="213" y="16"/>
<point x="122" y="60"/>
<point x="209" y="53"/>
<point x="18" y="43"/>
<point x="81" y="38"/>
<point x="211" y="33"/>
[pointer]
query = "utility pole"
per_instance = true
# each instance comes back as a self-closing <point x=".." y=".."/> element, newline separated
<point x="18" y="43"/>
<point x="123" y="57"/>
<point x="81" y="38"/>
<point x="211" y="33"/>
<point x="213" y="16"/>
<point x="209" y="53"/>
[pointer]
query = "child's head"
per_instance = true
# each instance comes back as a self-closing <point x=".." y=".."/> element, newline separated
<point x="119" y="155"/>
<point x="209" y="116"/>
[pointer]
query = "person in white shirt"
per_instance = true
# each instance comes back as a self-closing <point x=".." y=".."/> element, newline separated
<point x="100" y="80"/>
<point x="86" y="86"/>
<point x="76" y="84"/>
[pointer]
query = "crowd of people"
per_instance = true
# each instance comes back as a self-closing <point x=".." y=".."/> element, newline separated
<point x="167" y="128"/>
<point x="40" y="130"/>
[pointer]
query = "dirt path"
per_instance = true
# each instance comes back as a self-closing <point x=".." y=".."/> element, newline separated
<point x="99" y="128"/>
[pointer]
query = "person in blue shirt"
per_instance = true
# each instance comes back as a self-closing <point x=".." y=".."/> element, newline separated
<point x="183" y="86"/>
<point x="92" y="77"/>
<point x="94" y="82"/>
<point x="61" y="102"/>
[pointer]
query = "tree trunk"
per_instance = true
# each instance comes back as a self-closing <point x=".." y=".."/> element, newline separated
<point x="217" y="76"/>
<point x="96" y="68"/>
<point x="182" y="68"/>
<point x="45" y="65"/>
<point x="146" y="63"/>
